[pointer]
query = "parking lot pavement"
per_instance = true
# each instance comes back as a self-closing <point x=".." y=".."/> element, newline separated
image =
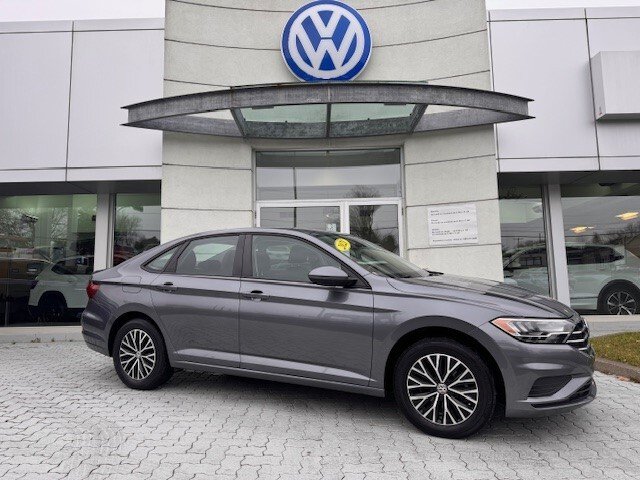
<point x="65" y="414"/>
<point x="608" y="324"/>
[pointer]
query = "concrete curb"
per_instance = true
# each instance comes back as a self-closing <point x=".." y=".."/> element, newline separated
<point x="10" y="335"/>
<point x="617" y="368"/>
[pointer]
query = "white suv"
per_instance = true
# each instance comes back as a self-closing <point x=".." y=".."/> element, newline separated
<point x="60" y="289"/>
<point x="605" y="278"/>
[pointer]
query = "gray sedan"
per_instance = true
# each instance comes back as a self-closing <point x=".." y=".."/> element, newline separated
<point x="335" y="311"/>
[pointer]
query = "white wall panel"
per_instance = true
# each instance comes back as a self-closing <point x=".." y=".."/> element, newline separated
<point x="112" y="69"/>
<point x="547" y="61"/>
<point x="618" y="138"/>
<point x="34" y="99"/>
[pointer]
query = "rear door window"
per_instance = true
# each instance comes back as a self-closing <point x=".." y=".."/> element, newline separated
<point x="211" y="256"/>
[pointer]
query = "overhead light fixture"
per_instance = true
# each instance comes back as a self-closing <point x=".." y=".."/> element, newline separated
<point x="581" y="229"/>
<point x="628" y="215"/>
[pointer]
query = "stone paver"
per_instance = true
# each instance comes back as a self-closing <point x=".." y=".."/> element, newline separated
<point x="65" y="414"/>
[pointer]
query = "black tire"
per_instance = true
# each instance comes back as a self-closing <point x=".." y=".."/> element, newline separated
<point x="52" y="308"/>
<point x="619" y="299"/>
<point x="481" y="411"/>
<point x="142" y="377"/>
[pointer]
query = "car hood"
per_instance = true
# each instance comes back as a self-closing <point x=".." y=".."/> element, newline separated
<point x="494" y="293"/>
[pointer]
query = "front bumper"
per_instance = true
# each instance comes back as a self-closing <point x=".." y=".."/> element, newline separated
<point x="524" y="364"/>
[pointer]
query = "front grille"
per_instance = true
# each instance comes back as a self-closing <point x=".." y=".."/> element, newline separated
<point x="547" y="386"/>
<point x="579" y="337"/>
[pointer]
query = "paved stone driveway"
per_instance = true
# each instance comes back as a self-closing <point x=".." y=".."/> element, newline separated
<point x="65" y="414"/>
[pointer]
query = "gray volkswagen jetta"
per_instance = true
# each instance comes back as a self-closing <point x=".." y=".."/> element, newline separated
<point x="330" y="310"/>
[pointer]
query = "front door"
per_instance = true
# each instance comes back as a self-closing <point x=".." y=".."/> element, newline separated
<point x="376" y="220"/>
<point x="290" y="326"/>
<point x="198" y="301"/>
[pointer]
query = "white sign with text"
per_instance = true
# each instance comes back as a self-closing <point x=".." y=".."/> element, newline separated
<point x="453" y="225"/>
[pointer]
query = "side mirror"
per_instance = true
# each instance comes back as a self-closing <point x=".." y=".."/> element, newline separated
<point x="331" y="277"/>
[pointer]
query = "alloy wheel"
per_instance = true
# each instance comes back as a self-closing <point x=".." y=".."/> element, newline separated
<point x="137" y="354"/>
<point x="51" y="311"/>
<point x="621" y="303"/>
<point x="442" y="389"/>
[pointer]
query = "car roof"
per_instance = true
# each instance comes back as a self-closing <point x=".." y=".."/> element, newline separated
<point x="239" y="231"/>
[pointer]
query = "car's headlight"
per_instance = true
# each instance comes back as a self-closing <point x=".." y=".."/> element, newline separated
<point x="536" y="330"/>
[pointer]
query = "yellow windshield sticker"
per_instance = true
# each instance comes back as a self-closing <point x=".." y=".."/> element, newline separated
<point x="342" y="244"/>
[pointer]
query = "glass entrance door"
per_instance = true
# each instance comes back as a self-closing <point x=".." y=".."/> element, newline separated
<point x="312" y="217"/>
<point x="376" y="220"/>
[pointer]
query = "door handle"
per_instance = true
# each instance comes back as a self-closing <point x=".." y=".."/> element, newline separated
<point x="167" y="287"/>
<point x="255" y="295"/>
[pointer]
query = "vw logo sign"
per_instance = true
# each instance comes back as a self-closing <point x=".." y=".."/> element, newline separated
<point x="326" y="40"/>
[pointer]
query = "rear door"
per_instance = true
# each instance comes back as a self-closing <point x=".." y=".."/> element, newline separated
<point x="290" y="326"/>
<point x="197" y="299"/>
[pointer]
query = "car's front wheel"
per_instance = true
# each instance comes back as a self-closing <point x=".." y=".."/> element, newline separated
<point x="444" y="388"/>
<point x="140" y="356"/>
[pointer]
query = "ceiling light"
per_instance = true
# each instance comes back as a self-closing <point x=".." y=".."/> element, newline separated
<point x="628" y="215"/>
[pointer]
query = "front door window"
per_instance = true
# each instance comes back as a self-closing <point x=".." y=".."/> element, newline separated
<point x="286" y="258"/>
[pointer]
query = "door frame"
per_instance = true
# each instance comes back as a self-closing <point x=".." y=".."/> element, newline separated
<point x="343" y="204"/>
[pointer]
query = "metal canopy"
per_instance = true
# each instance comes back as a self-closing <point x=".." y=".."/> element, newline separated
<point x="327" y="110"/>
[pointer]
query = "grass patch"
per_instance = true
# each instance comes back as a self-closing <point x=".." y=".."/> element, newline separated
<point x="620" y="347"/>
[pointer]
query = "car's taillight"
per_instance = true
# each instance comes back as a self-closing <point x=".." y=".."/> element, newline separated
<point x="92" y="289"/>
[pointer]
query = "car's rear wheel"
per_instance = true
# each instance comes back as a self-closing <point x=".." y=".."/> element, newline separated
<point x="140" y="356"/>
<point x="444" y="388"/>
<point x="619" y="300"/>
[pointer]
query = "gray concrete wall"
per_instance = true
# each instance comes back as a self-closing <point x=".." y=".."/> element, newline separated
<point x="207" y="182"/>
<point x="453" y="167"/>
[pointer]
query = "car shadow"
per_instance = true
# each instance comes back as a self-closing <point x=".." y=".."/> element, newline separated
<point x="300" y="400"/>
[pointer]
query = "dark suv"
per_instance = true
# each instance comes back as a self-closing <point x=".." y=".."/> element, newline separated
<point x="335" y="311"/>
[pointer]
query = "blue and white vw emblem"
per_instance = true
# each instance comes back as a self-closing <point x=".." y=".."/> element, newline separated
<point x="326" y="40"/>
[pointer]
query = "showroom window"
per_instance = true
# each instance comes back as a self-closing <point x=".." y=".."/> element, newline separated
<point x="524" y="240"/>
<point x="46" y="257"/>
<point x="347" y="191"/>
<point x="328" y="174"/>
<point x="137" y="225"/>
<point x="602" y="241"/>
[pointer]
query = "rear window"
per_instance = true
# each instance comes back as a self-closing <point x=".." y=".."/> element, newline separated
<point x="74" y="266"/>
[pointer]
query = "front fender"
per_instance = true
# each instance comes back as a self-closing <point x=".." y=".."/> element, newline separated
<point x="385" y="339"/>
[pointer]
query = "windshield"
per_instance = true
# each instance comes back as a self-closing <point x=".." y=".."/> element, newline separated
<point x="370" y="256"/>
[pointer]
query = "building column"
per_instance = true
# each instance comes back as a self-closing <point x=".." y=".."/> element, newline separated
<point x="453" y="168"/>
<point x="105" y="223"/>
<point x="557" y="257"/>
<point x="206" y="184"/>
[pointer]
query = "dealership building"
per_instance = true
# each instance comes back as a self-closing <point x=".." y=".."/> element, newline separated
<point x="501" y="144"/>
